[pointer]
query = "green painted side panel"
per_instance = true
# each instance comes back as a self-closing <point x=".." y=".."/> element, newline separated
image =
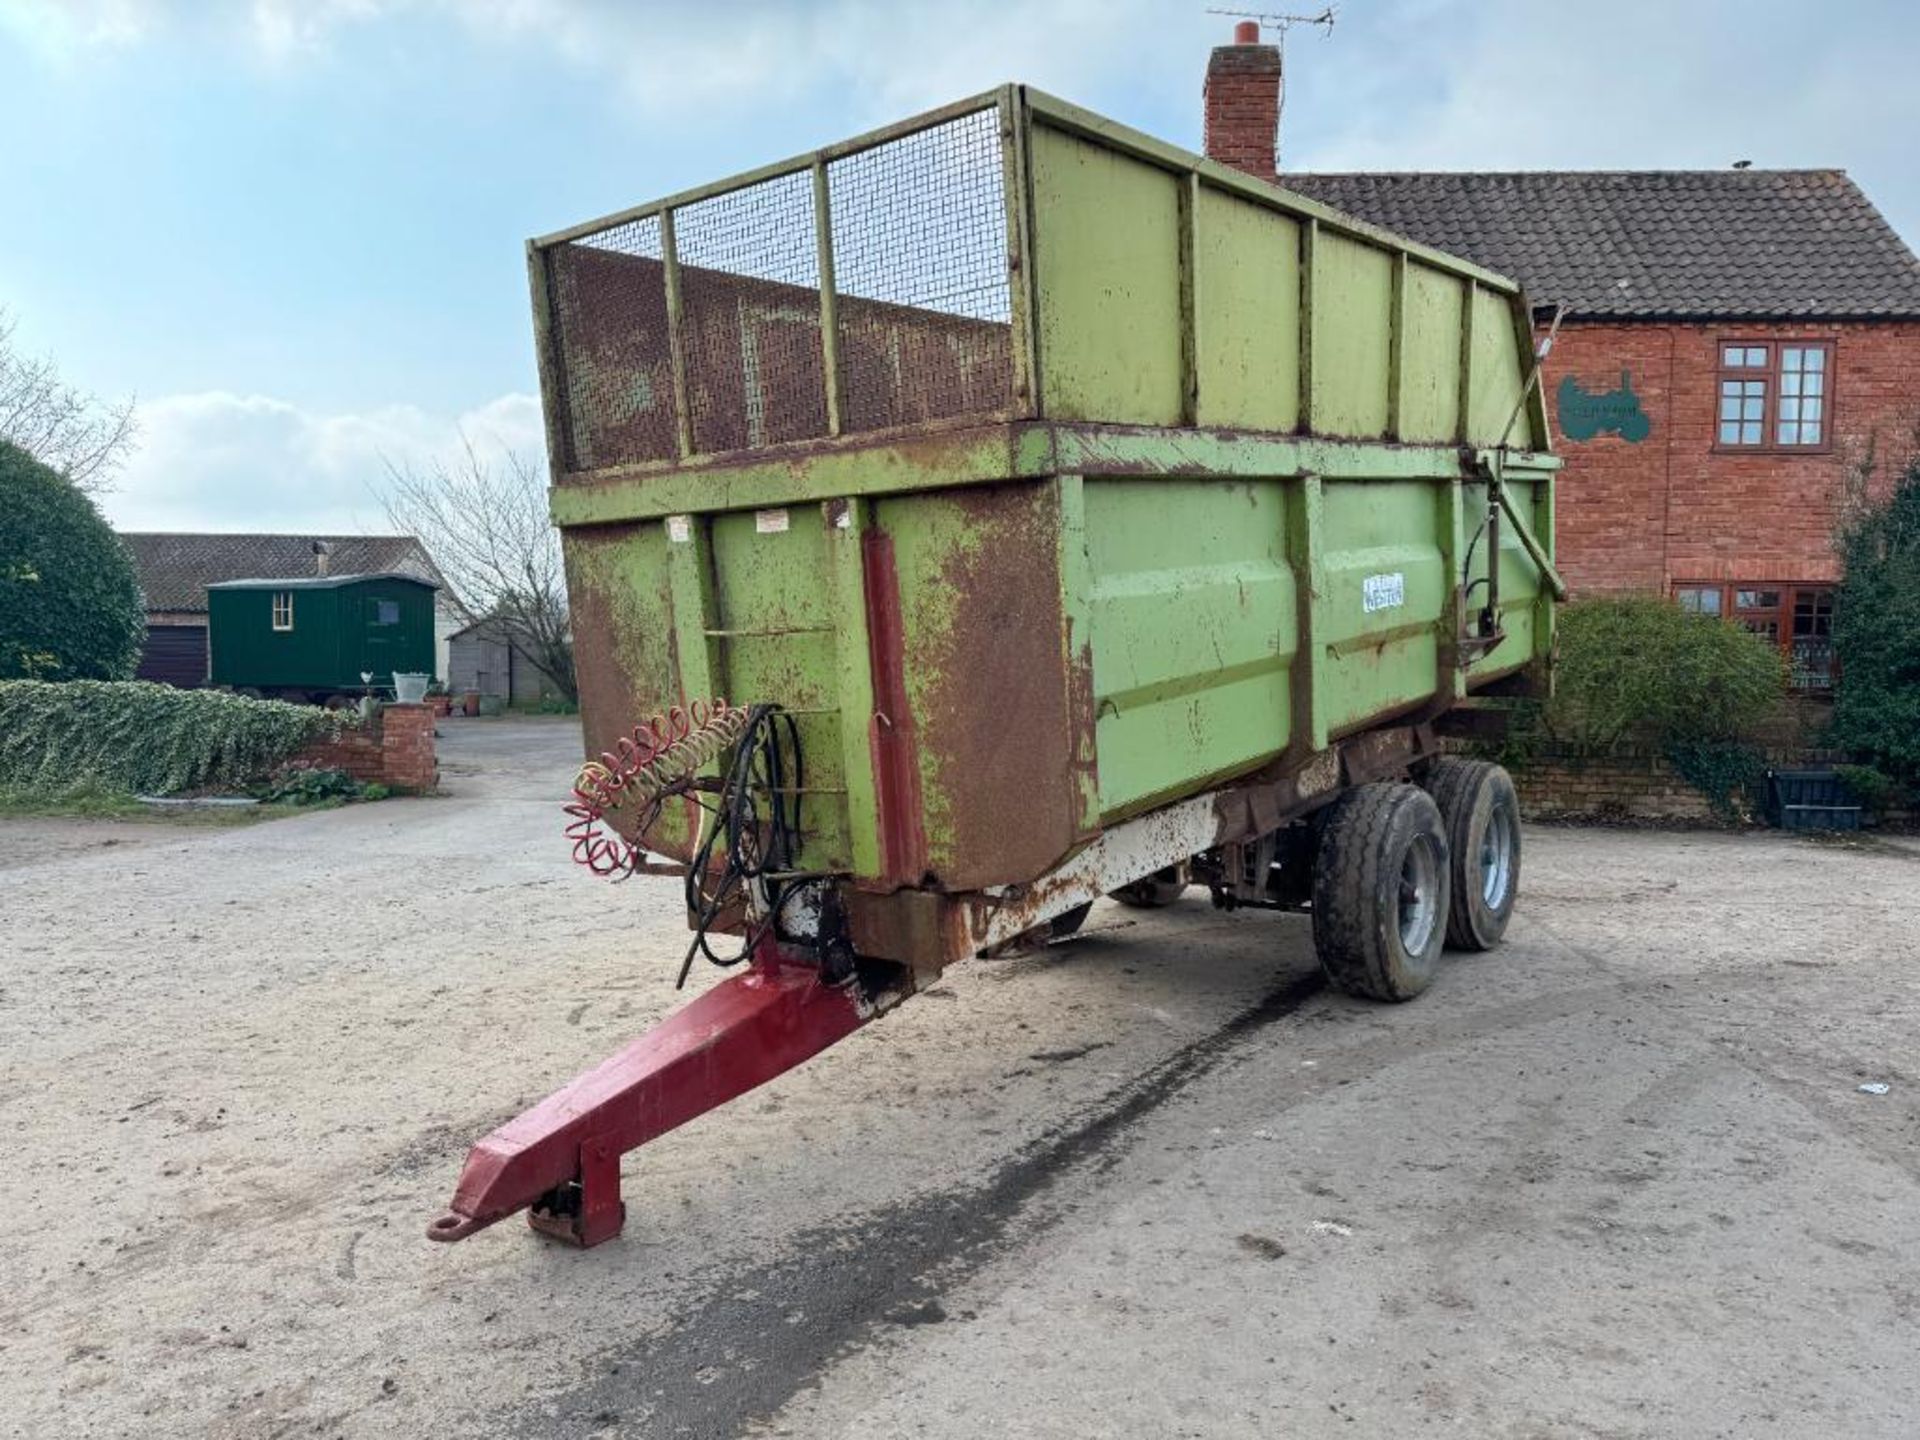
<point x="1430" y="351"/>
<point x="1107" y="260"/>
<point x="777" y="619"/>
<point x="1352" y="336"/>
<point x="1385" y="598"/>
<point x="1525" y="607"/>
<point x="1247" y="314"/>
<point x="1498" y="371"/>
<point x="336" y="635"/>
<point x="622" y="611"/>
<point x="1192" y="618"/>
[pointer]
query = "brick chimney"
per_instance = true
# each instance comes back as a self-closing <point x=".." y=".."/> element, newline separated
<point x="1243" y="103"/>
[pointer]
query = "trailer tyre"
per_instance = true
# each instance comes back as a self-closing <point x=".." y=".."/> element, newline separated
<point x="1482" y="816"/>
<point x="1157" y="891"/>
<point x="1380" y="891"/>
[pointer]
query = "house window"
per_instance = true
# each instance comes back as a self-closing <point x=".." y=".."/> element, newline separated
<point x="283" y="610"/>
<point x="386" y="612"/>
<point x="1700" y="599"/>
<point x="1796" y="619"/>
<point x="1811" y="652"/>
<point x="1773" y="396"/>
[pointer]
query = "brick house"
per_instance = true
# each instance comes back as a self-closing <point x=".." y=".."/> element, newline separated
<point x="1739" y="355"/>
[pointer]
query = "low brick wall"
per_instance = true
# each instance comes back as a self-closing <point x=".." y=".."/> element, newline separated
<point x="1631" y="785"/>
<point x="394" y="749"/>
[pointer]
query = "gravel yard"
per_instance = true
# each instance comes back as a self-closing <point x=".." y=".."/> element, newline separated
<point x="1616" y="1178"/>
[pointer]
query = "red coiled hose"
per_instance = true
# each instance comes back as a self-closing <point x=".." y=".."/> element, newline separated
<point x="660" y="757"/>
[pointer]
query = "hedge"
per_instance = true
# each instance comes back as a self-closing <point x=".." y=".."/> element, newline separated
<point x="1876" y="634"/>
<point x="1642" y="669"/>
<point x="70" y="606"/>
<point x="135" y="737"/>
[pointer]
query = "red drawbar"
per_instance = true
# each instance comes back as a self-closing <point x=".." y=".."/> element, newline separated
<point x="740" y="1034"/>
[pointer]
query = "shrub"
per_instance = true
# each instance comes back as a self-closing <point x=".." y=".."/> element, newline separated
<point x="143" y="738"/>
<point x="1876" y="634"/>
<point x="1731" y="775"/>
<point x="312" y="785"/>
<point x="1876" y="790"/>
<point x="70" y="606"/>
<point x="1645" y="670"/>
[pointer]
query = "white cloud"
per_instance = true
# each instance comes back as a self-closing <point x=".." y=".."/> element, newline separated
<point x="665" y="56"/>
<point x="59" y="28"/>
<point x="220" y="461"/>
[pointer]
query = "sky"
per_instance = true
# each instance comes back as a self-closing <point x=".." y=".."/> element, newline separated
<point x="294" y="230"/>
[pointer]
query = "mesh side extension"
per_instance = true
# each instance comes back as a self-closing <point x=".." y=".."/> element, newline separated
<point x="920" y="266"/>
<point x="924" y="306"/>
<point x="608" y="298"/>
<point x="750" y="306"/>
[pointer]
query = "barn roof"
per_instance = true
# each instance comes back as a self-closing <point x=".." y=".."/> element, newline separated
<point x="1647" y="244"/>
<point x="176" y="569"/>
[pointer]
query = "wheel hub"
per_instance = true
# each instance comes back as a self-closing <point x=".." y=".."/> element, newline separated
<point x="1496" y="859"/>
<point x="1419" y="896"/>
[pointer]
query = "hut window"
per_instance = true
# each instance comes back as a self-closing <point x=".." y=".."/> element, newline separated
<point x="283" y="610"/>
<point x="386" y="612"/>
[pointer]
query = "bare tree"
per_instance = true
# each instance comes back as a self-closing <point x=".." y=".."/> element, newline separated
<point x="486" y="525"/>
<point x="80" y="435"/>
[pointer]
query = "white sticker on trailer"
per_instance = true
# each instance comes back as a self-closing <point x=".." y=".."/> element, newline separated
<point x="1383" y="592"/>
<point x="770" y="522"/>
<point x="679" y="528"/>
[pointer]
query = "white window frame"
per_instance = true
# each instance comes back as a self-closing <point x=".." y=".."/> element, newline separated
<point x="283" y="610"/>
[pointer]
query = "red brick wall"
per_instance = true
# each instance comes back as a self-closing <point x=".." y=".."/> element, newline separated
<point x="395" y="749"/>
<point x="1642" y="516"/>
<point x="1242" y="104"/>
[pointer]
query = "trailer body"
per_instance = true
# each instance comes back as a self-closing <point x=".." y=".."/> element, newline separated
<point x="1090" y="512"/>
<point x="1047" y="473"/>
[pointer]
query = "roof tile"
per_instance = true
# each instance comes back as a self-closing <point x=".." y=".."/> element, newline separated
<point x="175" y="569"/>
<point x="1748" y="244"/>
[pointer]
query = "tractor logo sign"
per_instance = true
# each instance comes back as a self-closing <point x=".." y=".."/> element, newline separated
<point x="1587" y="413"/>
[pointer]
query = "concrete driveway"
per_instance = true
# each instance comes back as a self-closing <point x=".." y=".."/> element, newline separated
<point x="1616" y="1178"/>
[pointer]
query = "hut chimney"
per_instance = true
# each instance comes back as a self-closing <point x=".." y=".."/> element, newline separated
<point x="321" y="551"/>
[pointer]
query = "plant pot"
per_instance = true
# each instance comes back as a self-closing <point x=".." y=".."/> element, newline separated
<point x="442" y="704"/>
<point x="470" y="702"/>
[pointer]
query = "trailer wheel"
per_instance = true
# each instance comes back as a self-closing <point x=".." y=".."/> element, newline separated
<point x="1482" y="816"/>
<point x="1157" y="891"/>
<point x="1380" y="891"/>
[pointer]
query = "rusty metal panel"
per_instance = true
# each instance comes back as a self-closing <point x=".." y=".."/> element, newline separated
<point x="622" y="612"/>
<point x="987" y="677"/>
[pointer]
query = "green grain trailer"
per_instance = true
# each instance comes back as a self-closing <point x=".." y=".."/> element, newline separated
<point x="313" y="638"/>
<point x="1073" y="516"/>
